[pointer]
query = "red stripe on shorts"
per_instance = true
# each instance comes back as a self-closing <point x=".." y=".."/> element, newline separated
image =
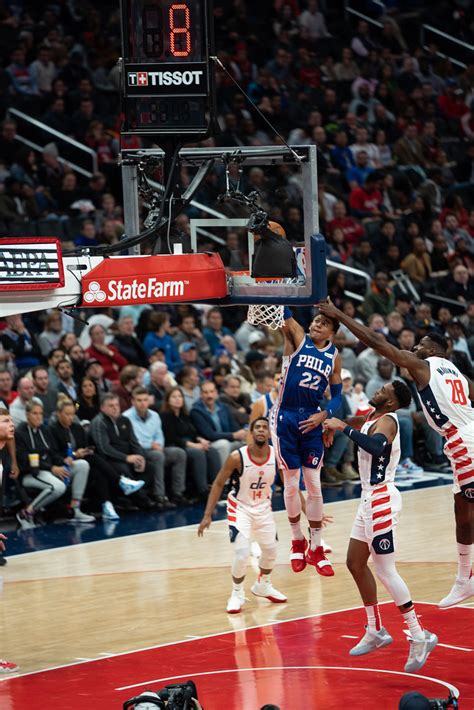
<point x="451" y="431"/>
<point x="381" y="526"/>
<point x="467" y="474"/>
<point x="381" y="513"/>
<point x="231" y="518"/>
<point x="461" y="452"/>
<point x="462" y="464"/>
<point x="454" y="443"/>
<point x="380" y="501"/>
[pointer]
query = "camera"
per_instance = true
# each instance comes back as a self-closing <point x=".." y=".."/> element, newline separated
<point x="182" y="696"/>
<point x="439" y="704"/>
<point x="258" y="222"/>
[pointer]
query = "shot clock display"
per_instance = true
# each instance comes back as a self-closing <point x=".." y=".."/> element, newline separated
<point x="167" y="78"/>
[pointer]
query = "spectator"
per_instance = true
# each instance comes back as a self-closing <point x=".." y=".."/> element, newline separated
<point x="87" y="236"/>
<point x="459" y="285"/>
<point x="238" y="403"/>
<point x="214" y="422"/>
<point x="103" y="478"/>
<point x="17" y="339"/>
<point x="112" y="434"/>
<point x="263" y="386"/>
<point x="382" y="377"/>
<point x="38" y="470"/>
<point x="43" y="71"/>
<point x="457" y="333"/>
<point x="129" y="378"/>
<point x="366" y="202"/>
<point x="361" y="258"/>
<point x="214" y="330"/>
<point x="357" y="174"/>
<point x="417" y="264"/>
<point x="9" y="143"/>
<point x="88" y="402"/>
<point x="312" y="22"/>
<point x="158" y="337"/>
<point x="107" y="355"/>
<point x="128" y="344"/>
<point x="160" y="382"/>
<point x="351" y="228"/>
<point x="23" y="82"/>
<point x="149" y="433"/>
<point x="179" y="431"/>
<point x="66" y="384"/>
<point x="452" y="232"/>
<point x="188" y="380"/>
<point x="408" y="150"/>
<point x="347" y="69"/>
<point x="394" y="327"/>
<point x="189" y="333"/>
<point x="362" y="144"/>
<point x="7" y="393"/>
<point x="95" y="371"/>
<point x="43" y="390"/>
<point x="26" y="392"/>
<point x="77" y="357"/>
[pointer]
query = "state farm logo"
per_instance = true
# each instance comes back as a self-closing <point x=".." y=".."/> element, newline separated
<point x="147" y="290"/>
<point x="94" y="293"/>
<point x="165" y="78"/>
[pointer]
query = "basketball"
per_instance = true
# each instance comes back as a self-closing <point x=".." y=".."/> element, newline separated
<point x="276" y="228"/>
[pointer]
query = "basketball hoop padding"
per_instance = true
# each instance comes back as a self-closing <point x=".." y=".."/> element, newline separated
<point x="169" y="278"/>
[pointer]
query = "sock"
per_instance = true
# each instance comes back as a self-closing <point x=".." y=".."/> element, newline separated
<point x="464" y="561"/>
<point x="413" y="623"/>
<point x="264" y="578"/>
<point x="296" y="533"/>
<point x="315" y="538"/>
<point x="237" y="587"/>
<point x="75" y="504"/>
<point x="373" y="617"/>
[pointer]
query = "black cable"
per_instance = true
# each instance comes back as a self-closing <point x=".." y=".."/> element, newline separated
<point x="293" y="152"/>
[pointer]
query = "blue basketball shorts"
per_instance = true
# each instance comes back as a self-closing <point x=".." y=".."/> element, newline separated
<point x="292" y="448"/>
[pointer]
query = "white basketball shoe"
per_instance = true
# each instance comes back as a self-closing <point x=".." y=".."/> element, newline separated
<point x="265" y="589"/>
<point x="419" y="651"/>
<point x="371" y="641"/>
<point x="462" y="589"/>
<point x="235" y="602"/>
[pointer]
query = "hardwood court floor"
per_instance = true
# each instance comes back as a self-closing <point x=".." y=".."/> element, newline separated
<point x="63" y="605"/>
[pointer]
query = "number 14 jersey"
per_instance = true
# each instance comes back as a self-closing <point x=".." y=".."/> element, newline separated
<point x="445" y="400"/>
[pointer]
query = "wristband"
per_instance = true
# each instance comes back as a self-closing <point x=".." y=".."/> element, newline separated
<point x="287" y="312"/>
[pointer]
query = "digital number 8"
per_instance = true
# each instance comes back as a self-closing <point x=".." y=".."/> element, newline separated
<point x="180" y="30"/>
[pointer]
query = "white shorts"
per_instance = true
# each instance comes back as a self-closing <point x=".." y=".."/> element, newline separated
<point x="251" y="521"/>
<point x="459" y="448"/>
<point x="377" y="515"/>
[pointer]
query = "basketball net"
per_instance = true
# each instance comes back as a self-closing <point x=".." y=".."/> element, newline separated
<point x="262" y="314"/>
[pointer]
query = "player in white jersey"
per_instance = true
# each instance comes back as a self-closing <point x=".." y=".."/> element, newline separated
<point x="374" y="526"/>
<point x="446" y="397"/>
<point x="251" y="470"/>
<point x="7" y="432"/>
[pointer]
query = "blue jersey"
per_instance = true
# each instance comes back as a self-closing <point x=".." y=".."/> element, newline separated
<point x="305" y="376"/>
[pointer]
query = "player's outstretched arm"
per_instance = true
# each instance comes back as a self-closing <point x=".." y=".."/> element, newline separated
<point x="293" y="332"/>
<point x="233" y="462"/>
<point x="418" y="369"/>
<point x="381" y="434"/>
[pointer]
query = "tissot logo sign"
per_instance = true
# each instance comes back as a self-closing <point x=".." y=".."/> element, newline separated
<point x="167" y="80"/>
<point x="30" y="263"/>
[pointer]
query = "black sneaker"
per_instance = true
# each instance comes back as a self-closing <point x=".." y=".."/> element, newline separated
<point x="164" y="503"/>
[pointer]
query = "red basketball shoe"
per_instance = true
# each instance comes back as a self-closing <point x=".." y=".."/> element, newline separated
<point x="318" y="559"/>
<point x="297" y="555"/>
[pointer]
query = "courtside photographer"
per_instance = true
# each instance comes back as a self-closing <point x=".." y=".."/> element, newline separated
<point x="182" y="696"/>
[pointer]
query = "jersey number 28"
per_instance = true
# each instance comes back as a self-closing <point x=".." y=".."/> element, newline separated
<point x="458" y="396"/>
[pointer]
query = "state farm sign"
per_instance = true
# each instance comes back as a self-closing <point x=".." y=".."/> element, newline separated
<point x="135" y="280"/>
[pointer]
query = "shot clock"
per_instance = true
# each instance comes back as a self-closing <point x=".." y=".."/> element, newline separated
<point x="167" y="78"/>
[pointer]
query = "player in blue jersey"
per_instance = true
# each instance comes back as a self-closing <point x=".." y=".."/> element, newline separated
<point x="310" y="363"/>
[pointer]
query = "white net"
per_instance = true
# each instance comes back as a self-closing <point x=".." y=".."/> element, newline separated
<point x="271" y="316"/>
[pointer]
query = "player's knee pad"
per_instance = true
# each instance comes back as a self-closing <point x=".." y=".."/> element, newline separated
<point x="268" y="556"/>
<point x="387" y="573"/>
<point x="312" y="481"/>
<point x="241" y="557"/>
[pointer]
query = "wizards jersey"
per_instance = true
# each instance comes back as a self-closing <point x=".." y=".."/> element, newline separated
<point x="305" y="376"/>
<point x="445" y="399"/>
<point x="378" y="470"/>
